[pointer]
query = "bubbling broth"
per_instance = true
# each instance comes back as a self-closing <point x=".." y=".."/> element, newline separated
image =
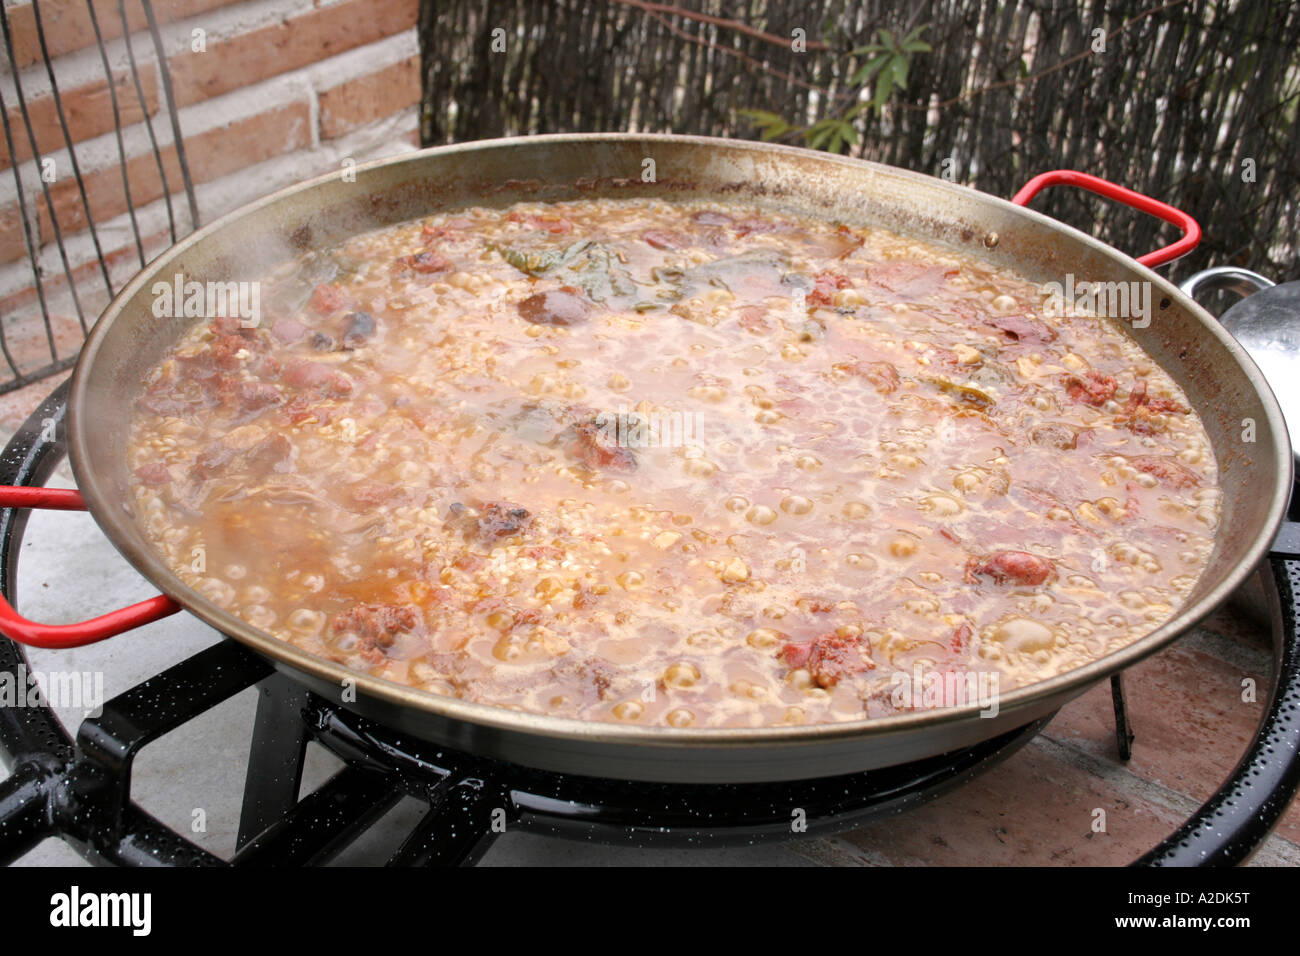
<point x="674" y="463"/>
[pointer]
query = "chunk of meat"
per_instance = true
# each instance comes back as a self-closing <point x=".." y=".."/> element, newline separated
<point x="272" y="454"/>
<point x="233" y="325"/>
<point x="555" y="225"/>
<point x="1139" y="411"/>
<point x="1169" y="471"/>
<point x="556" y="307"/>
<point x="1055" y="435"/>
<point x="213" y="459"/>
<point x="596" y="448"/>
<point x="825" y="285"/>
<point x="287" y="330"/>
<point x="376" y="626"/>
<point x="358" y="328"/>
<point x="327" y="298"/>
<point x="882" y="376"/>
<point x="1022" y="328"/>
<point x="1017" y="567"/>
<point x="829" y="658"/>
<point x="303" y="408"/>
<point x="425" y="263"/>
<point x="501" y="519"/>
<point x="1138" y="397"/>
<point x="708" y="217"/>
<point x="1091" y="388"/>
<point x="959" y="642"/>
<point x="229" y="351"/>
<point x="451" y="228"/>
<point x="254" y="396"/>
<point x="154" y="474"/>
<point x="662" y="239"/>
<point x="592" y="674"/>
<point x="324" y="378"/>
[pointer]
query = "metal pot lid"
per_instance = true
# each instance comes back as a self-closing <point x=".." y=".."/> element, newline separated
<point x="1267" y="324"/>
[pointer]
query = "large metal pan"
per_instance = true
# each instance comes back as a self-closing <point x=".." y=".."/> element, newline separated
<point x="1240" y="414"/>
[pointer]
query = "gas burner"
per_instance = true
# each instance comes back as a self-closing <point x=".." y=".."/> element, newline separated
<point x="81" y="790"/>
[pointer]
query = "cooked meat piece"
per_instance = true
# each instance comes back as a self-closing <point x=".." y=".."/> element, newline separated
<point x="1021" y="328"/>
<point x="376" y="626"/>
<point x="557" y="307"/>
<point x="595" y="448"/>
<point x="1092" y="388"/>
<point x="154" y="474"/>
<point x="425" y="263"/>
<point x="829" y="658"/>
<point x="1055" y="435"/>
<point x="1170" y="471"/>
<point x="500" y="519"/>
<point x="1018" y="567"/>
<point x="358" y="327"/>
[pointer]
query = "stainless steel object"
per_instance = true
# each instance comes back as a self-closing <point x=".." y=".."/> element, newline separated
<point x="1267" y="324"/>
<point x="1227" y="278"/>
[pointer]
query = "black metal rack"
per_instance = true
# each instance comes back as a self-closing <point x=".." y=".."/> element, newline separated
<point x="80" y="790"/>
<point x="19" y="372"/>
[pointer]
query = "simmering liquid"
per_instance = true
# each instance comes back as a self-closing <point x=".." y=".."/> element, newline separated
<point x="687" y="464"/>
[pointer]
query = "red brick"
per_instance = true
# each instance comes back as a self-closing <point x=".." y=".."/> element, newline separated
<point x="88" y="110"/>
<point x="87" y="272"/>
<point x="1032" y="810"/>
<point x="294" y="43"/>
<point x="211" y="154"/>
<point x="105" y="193"/>
<point x="67" y="23"/>
<point x="367" y="98"/>
<point x="249" y="141"/>
<point x="1190" y="723"/>
<point x="12" y="245"/>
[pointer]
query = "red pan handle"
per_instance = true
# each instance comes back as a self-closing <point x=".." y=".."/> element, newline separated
<point x="58" y="636"/>
<point x="1104" y="187"/>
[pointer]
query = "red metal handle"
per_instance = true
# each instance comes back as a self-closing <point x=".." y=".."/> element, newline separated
<point x="58" y="636"/>
<point x="1104" y="187"/>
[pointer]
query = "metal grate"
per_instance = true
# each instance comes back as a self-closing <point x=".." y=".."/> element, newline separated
<point x="53" y="357"/>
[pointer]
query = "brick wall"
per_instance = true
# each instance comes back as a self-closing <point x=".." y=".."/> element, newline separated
<point x="269" y="92"/>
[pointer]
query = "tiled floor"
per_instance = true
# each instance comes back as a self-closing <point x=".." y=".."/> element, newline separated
<point x="1038" y="807"/>
<point x="15" y="406"/>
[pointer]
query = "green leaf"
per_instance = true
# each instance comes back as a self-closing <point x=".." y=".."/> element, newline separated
<point x="870" y="69"/>
<point x="601" y="279"/>
<point x="899" y="68"/>
<point x="818" y="137"/>
<point x="912" y="43"/>
<point x="537" y="262"/>
<point x="762" y="117"/>
<point x="884" y="87"/>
